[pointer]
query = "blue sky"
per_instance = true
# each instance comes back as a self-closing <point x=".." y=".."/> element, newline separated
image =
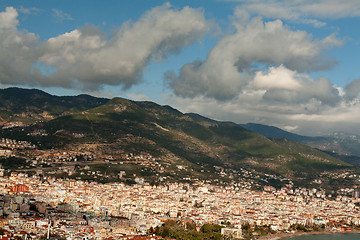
<point x="291" y="64"/>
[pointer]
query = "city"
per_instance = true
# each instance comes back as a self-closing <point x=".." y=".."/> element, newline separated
<point x="72" y="209"/>
<point x="179" y="120"/>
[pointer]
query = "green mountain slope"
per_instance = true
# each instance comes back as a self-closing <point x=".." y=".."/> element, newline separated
<point x="186" y="146"/>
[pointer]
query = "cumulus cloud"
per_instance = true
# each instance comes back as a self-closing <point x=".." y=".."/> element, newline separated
<point x="352" y="90"/>
<point x="17" y="50"/>
<point x="237" y="58"/>
<point x="86" y="58"/>
<point x="284" y="85"/>
<point x="260" y="73"/>
<point x="278" y="78"/>
<point x="310" y="118"/>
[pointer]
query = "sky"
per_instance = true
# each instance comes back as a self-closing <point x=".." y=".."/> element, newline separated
<point x="289" y="64"/>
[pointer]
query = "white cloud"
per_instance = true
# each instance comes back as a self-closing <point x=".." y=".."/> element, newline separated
<point x="311" y="118"/>
<point x="302" y="9"/>
<point x="28" y="10"/>
<point x="314" y="22"/>
<point x="311" y="12"/>
<point x="17" y="50"/>
<point x="60" y="16"/>
<point x="290" y="128"/>
<point x="92" y="60"/>
<point x="86" y="58"/>
<point x="353" y="91"/>
<point x="234" y="61"/>
<point x="8" y="19"/>
<point x="277" y="78"/>
<point x="328" y="8"/>
<point x="284" y="85"/>
<point x="260" y="74"/>
<point x="139" y="96"/>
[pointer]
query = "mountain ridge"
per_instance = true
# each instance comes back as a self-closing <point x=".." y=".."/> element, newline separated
<point x="187" y="146"/>
<point x="275" y="132"/>
<point x="344" y="146"/>
<point x="17" y="102"/>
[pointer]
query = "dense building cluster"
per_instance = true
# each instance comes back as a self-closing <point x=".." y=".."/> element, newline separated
<point x="88" y="210"/>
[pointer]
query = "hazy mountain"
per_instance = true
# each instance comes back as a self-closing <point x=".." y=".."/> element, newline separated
<point x="341" y="145"/>
<point x="274" y="132"/>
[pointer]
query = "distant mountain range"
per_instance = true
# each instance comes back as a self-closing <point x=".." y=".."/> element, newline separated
<point x="186" y="146"/>
<point x="340" y="145"/>
<point x="274" y="132"/>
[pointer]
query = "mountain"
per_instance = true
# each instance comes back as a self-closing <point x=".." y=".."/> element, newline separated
<point x="32" y="105"/>
<point x="167" y="143"/>
<point x="340" y="145"/>
<point x="274" y="132"/>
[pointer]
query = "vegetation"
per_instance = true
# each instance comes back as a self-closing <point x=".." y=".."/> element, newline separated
<point x="174" y="230"/>
<point x="13" y="163"/>
<point x="118" y="125"/>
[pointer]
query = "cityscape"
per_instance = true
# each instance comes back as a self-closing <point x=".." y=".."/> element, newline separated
<point x="179" y="120"/>
<point x="90" y="189"/>
<point x="70" y="209"/>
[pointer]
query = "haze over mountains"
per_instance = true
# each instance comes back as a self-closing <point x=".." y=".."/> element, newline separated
<point x="190" y="146"/>
<point x="341" y="145"/>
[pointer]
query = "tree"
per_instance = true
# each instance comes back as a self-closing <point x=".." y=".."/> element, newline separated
<point x="197" y="204"/>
